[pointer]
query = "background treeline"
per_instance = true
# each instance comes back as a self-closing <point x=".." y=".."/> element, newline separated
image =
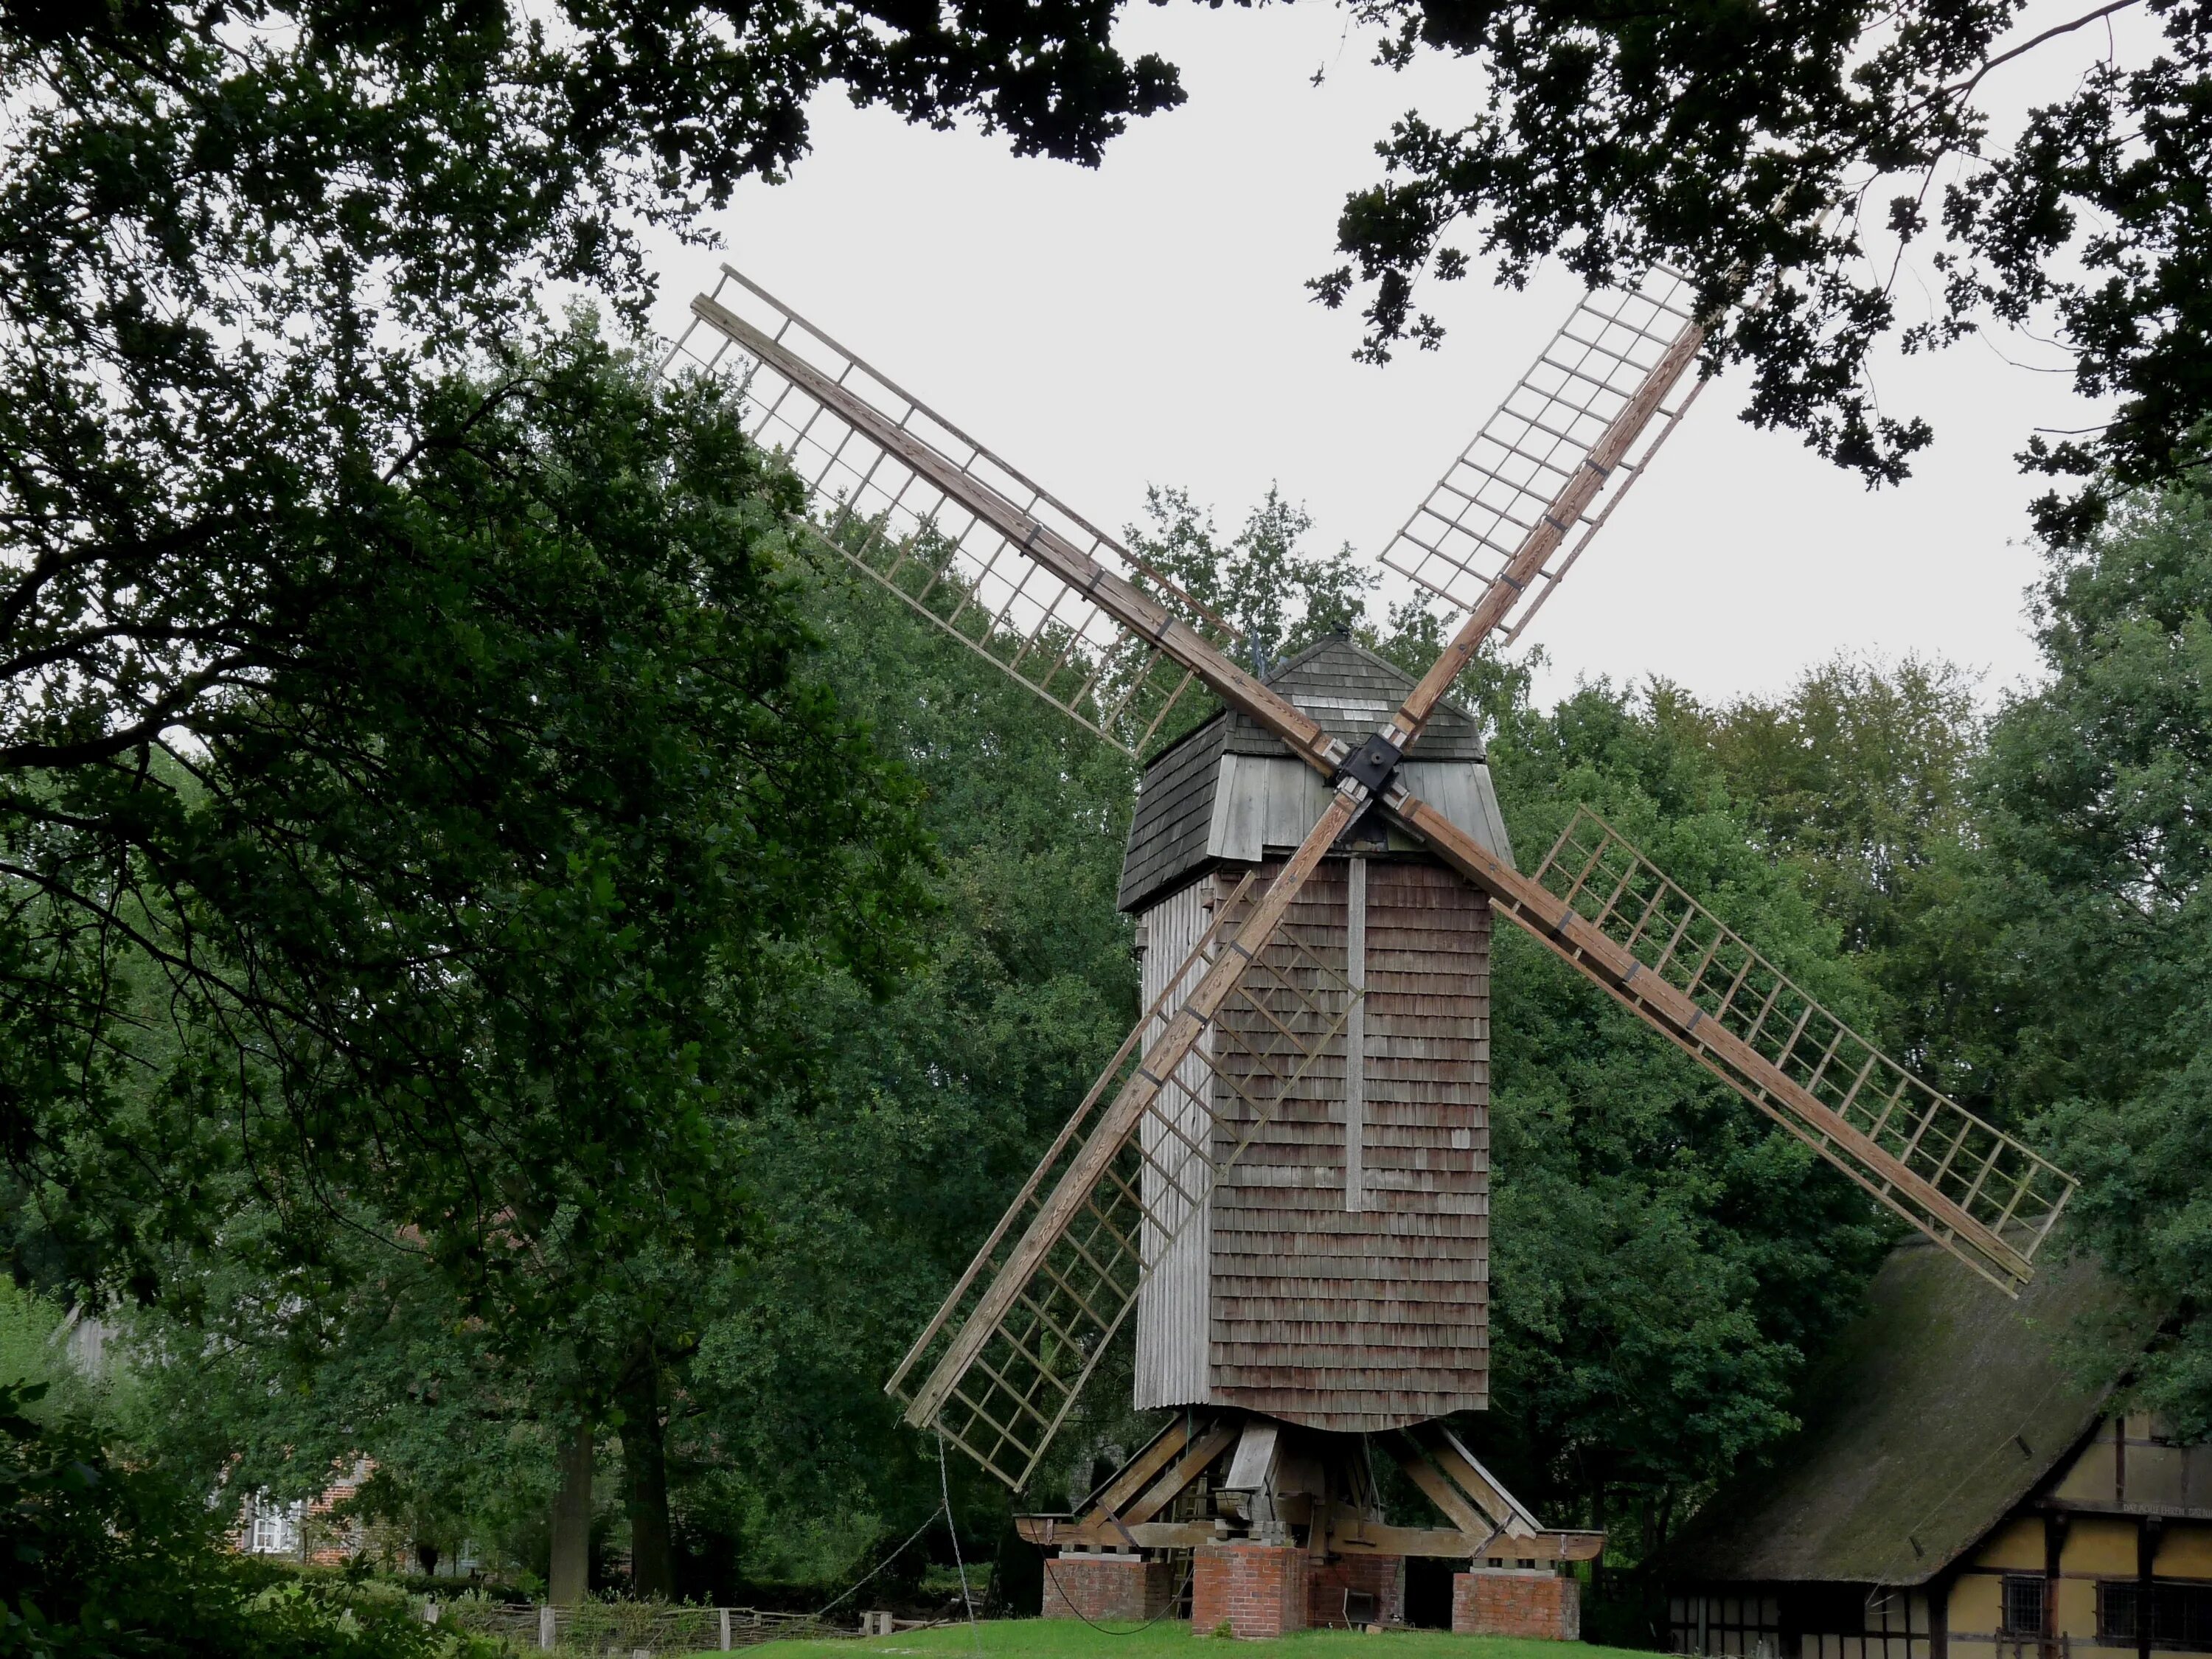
<point x="2004" y="889"/>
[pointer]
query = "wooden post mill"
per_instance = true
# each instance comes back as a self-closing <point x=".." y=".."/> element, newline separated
<point x="1281" y="1179"/>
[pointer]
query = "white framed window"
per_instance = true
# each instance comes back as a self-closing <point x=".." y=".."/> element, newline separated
<point x="273" y="1528"/>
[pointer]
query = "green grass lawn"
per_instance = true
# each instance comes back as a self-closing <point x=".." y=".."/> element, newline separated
<point x="1069" y="1638"/>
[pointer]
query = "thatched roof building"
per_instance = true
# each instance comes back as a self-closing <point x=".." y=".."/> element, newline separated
<point x="1957" y="1489"/>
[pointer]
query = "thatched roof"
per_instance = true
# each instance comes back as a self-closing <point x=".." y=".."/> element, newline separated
<point x="1935" y="1414"/>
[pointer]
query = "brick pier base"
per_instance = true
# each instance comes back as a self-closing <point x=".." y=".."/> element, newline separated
<point x="1258" y="1591"/>
<point x="1517" y="1602"/>
<point x="1383" y="1577"/>
<point x="1087" y="1584"/>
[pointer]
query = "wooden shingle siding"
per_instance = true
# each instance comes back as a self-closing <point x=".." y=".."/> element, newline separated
<point x="1374" y="1318"/>
<point x="1175" y="804"/>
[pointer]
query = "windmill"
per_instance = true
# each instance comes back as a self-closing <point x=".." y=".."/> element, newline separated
<point x="1297" y="1230"/>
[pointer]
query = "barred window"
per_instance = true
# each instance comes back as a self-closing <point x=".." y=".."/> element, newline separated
<point x="2181" y="1614"/>
<point x="2119" y="1611"/>
<point x="2024" y="1605"/>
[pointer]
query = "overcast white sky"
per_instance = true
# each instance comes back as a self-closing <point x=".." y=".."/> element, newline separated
<point x="1147" y="322"/>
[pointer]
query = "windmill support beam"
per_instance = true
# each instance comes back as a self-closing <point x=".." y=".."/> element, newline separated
<point x="1312" y="1482"/>
<point x="1348" y="1534"/>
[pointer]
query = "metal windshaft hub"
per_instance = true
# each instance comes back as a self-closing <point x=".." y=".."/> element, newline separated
<point x="1373" y="764"/>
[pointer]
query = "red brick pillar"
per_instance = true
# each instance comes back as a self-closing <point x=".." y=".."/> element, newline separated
<point x="1383" y="1577"/>
<point x="1103" y="1588"/>
<point x="1257" y="1589"/>
<point x="1517" y="1601"/>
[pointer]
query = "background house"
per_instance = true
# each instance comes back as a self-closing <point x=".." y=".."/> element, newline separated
<point x="1956" y="1493"/>
<point x="304" y="1529"/>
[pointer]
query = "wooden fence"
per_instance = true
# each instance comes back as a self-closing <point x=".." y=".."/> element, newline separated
<point x="623" y="1630"/>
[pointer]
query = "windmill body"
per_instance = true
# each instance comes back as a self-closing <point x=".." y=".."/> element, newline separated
<point x="1336" y="1275"/>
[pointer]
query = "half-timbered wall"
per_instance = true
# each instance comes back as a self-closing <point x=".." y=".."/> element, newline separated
<point x="2110" y="1557"/>
<point x="1822" y="1621"/>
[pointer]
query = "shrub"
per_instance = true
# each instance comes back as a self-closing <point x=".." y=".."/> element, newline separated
<point x="107" y="1559"/>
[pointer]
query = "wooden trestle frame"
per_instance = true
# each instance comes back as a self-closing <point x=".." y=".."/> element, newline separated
<point x="1218" y="1477"/>
<point x="972" y="544"/>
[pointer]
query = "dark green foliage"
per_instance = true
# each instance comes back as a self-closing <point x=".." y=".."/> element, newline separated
<point x="2092" y="905"/>
<point x="477" y="905"/>
<point x="259" y="1393"/>
<point x="2026" y="895"/>
<point x="1281" y="597"/>
<point x="930" y="1107"/>
<point x="513" y="878"/>
<point x="420" y="825"/>
<point x="1860" y="771"/>
<point x="852" y="1181"/>
<point x="1782" y="155"/>
<point x="252" y="261"/>
<point x="1862" y="777"/>
<point x="107" y="1561"/>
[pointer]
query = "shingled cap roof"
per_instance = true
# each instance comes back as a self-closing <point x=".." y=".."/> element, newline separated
<point x="1341" y="686"/>
<point x="1350" y="692"/>
<point x="1936" y="1412"/>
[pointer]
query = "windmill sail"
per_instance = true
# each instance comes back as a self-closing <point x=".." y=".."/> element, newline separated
<point x="966" y="540"/>
<point x="1989" y="1197"/>
<point x="1516" y="481"/>
<point x="1012" y="1346"/>
<point x="1607" y="911"/>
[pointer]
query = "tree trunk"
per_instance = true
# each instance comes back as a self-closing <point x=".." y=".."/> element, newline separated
<point x="568" y="1579"/>
<point x="652" y="1554"/>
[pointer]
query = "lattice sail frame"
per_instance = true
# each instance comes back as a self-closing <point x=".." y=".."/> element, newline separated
<point x="2007" y="1192"/>
<point x="894" y="522"/>
<point x="1501" y="490"/>
<point x="1004" y="1407"/>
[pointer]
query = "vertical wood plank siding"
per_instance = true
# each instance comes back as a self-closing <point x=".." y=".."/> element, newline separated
<point x="1369" y="1319"/>
<point x="1355" y="1035"/>
<point x="1171" y="1307"/>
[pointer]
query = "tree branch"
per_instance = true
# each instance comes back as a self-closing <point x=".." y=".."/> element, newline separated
<point x="1966" y="87"/>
